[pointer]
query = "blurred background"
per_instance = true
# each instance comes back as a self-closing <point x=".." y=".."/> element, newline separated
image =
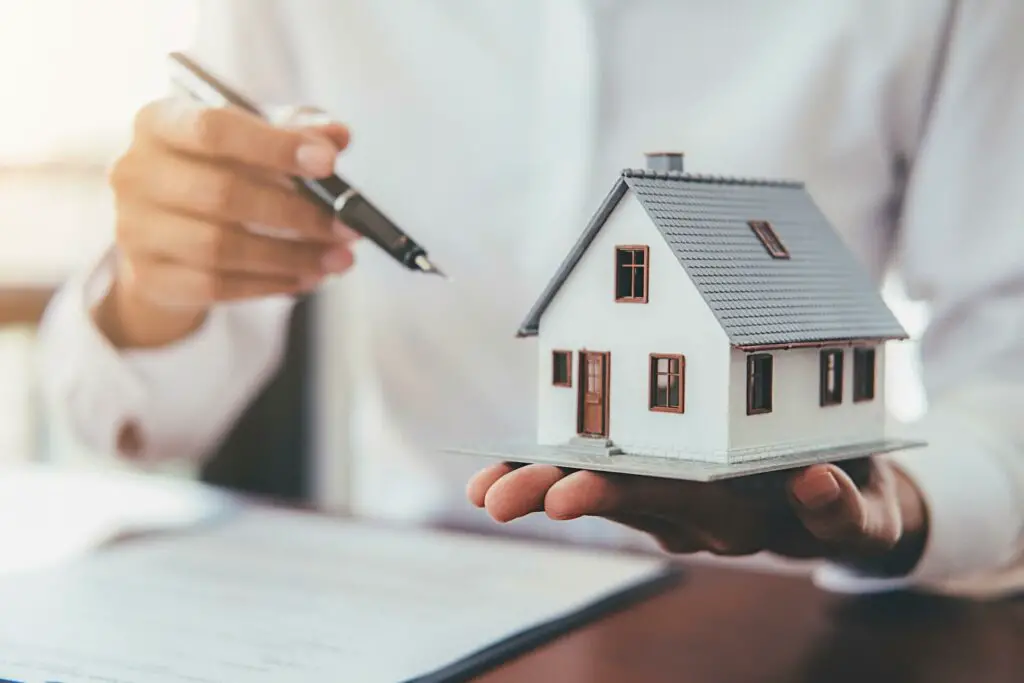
<point x="72" y="74"/>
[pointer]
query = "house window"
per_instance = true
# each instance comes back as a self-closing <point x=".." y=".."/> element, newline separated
<point x="631" y="274"/>
<point x="766" y="233"/>
<point x="863" y="374"/>
<point x="759" y="383"/>
<point x="561" y="368"/>
<point x="831" y="377"/>
<point x="667" y="382"/>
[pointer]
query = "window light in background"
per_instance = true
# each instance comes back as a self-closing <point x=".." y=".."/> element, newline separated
<point x="904" y="394"/>
<point x="76" y="70"/>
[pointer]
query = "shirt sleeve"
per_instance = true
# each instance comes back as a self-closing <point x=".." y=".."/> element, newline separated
<point x="178" y="400"/>
<point x="961" y="251"/>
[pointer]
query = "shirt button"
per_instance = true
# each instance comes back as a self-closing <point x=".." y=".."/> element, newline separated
<point x="129" y="440"/>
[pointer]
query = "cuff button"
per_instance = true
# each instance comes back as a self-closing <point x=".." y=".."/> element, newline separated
<point x="129" y="440"/>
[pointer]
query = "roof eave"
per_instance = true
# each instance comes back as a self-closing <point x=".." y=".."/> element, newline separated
<point x="820" y="343"/>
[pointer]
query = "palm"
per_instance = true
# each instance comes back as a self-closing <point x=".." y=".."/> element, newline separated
<point x="817" y="512"/>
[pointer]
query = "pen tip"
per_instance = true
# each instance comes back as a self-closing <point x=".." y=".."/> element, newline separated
<point x="424" y="264"/>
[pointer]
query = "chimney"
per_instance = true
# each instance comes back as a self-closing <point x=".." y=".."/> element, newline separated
<point x="665" y="161"/>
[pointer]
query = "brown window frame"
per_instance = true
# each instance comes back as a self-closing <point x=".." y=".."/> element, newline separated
<point x="646" y="266"/>
<point x="652" y="383"/>
<point x="752" y="361"/>
<point x="826" y="397"/>
<point x="862" y="393"/>
<point x="769" y="239"/>
<point x="555" y="353"/>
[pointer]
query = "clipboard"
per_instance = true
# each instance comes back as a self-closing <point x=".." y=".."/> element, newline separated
<point x="275" y="596"/>
<point x="528" y="640"/>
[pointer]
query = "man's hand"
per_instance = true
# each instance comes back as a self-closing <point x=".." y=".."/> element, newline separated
<point x="206" y="214"/>
<point x="817" y="512"/>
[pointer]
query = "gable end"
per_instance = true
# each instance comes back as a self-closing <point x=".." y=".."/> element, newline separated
<point x="531" y="325"/>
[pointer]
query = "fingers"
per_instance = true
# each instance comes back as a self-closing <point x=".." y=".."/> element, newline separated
<point x="207" y="212"/>
<point x="682" y="516"/>
<point x="336" y="133"/>
<point x="482" y="481"/>
<point x="671" y="537"/>
<point x="827" y="515"/>
<point x="230" y="247"/>
<point x="508" y="492"/>
<point x="345" y="233"/>
<point x="230" y="134"/>
<point x="520" y="492"/>
<point x="219" y="193"/>
<point x="175" y="285"/>
<point x="835" y="512"/>
<point x="595" y="493"/>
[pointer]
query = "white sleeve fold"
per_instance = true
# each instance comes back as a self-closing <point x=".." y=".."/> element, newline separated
<point x="180" y="398"/>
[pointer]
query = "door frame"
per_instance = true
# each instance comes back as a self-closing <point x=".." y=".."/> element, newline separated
<point x="581" y="371"/>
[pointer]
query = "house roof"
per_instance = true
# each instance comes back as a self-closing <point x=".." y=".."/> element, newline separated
<point x="819" y="294"/>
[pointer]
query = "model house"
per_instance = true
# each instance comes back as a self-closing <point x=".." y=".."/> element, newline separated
<point x="708" y="320"/>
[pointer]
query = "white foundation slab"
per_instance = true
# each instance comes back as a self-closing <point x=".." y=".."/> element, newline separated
<point x="674" y="468"/>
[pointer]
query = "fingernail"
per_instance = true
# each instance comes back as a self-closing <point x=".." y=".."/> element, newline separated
<point x="316" y="158"/>
<point x="817" y="490"/>
<point x="336" y="261"/>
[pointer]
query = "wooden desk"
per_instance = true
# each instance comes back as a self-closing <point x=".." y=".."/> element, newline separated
<point x="727" y="626"/>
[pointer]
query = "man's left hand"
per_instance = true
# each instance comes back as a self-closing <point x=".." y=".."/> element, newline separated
<point x="818" y="513"/>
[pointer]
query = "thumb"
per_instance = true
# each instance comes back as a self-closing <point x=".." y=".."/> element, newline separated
<point x="856" y="523"/>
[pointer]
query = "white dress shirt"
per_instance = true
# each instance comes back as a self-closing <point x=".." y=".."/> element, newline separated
<point x="491" y="129"/>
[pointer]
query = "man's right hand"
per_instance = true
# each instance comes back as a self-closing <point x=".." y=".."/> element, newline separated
<point x="206" y="214"/>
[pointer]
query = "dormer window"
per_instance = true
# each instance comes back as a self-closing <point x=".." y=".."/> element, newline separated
<point x="631" y="274"/>
<point x="766" y="233"/>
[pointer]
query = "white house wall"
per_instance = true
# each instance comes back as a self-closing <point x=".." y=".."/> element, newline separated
<point x="584" y="315"/>
<point x="797" y="416"/>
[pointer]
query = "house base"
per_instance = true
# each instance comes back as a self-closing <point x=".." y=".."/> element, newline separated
<point x="605" y="457"/>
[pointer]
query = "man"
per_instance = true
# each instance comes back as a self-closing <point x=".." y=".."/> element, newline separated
<point x="491" y="130"/>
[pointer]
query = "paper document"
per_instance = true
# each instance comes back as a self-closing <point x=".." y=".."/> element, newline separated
<point x="49" y="514"/>
<point x="282" y="597"/>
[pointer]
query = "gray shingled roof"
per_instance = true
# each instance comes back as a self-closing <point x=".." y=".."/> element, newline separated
<point x="819" y="294"/>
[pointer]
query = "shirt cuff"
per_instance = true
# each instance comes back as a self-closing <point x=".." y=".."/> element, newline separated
<point x="973" y="510"/>
<point x="108" y="390"/>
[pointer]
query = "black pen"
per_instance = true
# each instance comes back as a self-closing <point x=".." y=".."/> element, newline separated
<point x="333" y="193"/>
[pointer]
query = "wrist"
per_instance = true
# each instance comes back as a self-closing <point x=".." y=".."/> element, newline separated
<point x="128" y="319"/>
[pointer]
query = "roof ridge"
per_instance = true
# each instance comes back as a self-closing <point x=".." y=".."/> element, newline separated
<point x="710" y="179"/>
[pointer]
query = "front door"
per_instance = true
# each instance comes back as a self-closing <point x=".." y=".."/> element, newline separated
<point x="593" y="394"/>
